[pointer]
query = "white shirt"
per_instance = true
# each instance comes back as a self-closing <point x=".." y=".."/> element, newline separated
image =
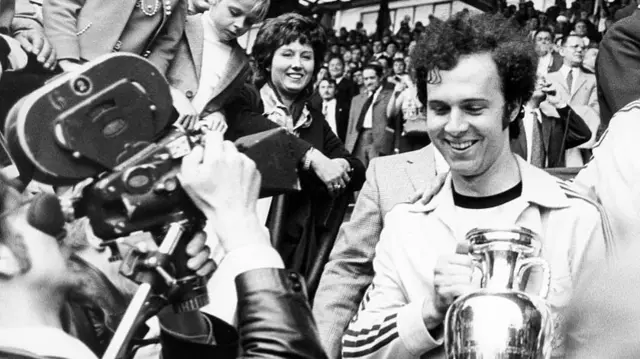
<point x="527" y="123"/>
<point x="329" y="112"/>
<point x="368" y="117"/>
<point x="543" y="64"/>
<point x="564" y="70"/>
<point x="215" y="56"/>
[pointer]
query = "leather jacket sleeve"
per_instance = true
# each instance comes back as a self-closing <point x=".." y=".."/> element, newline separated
<point x="274" y="317"/>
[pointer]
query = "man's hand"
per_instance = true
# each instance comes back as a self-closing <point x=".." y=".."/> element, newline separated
<point x="557" y="96"/>
<point x="224" y="184"/>
<point x="452" y="278"/>
<point x="424" y="196"/>
<point x="188" y="116"/>
<point x="213" y="122"/>
<point x="35" y="42"/>
<point x="199" y="256"/>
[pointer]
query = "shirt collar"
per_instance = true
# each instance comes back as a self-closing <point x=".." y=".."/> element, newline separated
<point x="538" y="188"/>
<point x="45" y="342"/>
<point x="277" y="112"/>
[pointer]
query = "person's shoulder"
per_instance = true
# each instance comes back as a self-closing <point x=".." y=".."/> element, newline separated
<point x="582" y="200"/>
<point x="395" y="162"/>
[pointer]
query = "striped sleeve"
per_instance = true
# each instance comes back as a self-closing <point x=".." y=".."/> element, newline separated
<point x="387" y="325"/>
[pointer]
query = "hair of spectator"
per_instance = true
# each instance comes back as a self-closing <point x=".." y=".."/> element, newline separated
<point x="543" y="29"/>
<point x="375" y="67"/>
<point x="443" y="44"/>
<point x="564" y="39"/>
<point x="337" y="57"/>
<point x="329" y="80"/>
<point x="260" y="8"/>
<point x="283" y="30"/>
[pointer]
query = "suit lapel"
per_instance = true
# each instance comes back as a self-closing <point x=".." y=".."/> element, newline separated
<point x="234" y="66"/>
<point x="195" y="37"/>
<point x="420" y="167"/>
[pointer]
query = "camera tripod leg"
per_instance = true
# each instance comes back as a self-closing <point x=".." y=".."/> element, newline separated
<point x="136" y="309"/>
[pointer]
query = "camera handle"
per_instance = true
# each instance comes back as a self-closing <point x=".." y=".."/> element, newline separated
<point x="157" y="286"/>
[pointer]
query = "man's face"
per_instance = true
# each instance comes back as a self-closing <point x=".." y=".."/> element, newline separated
<point x="336" y="68"/>
<point x="581" y="29"/>
<point x="232" y="18"/>
<point x="543" y="42"/>
<point x="465" y="114"/>
<point x="386" y="39"/>
<point x="377" y="47"/>
<point x="327" y="90"/>
<point x="357" y="78"/>
<point x="398" y="67"/>
<point x="392" y="49"/>
<point x="356" y="55"/>
<point x="371" y="80"/>
<point x="573" y="51"/>
<point x="347" y="56"/>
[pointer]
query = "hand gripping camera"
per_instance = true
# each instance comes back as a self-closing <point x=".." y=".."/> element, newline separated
<point x="109" y="125"/>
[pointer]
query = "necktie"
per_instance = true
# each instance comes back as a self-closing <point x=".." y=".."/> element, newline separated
<point x="570" y="80"/>
<point x="537" y="145"/>
<point x="325" y="108"/>
<point x="364" y="111"/>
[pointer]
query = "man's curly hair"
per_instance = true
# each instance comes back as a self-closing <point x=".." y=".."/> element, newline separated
<point x="443" y="43"/>
<point x="283" y="30"/>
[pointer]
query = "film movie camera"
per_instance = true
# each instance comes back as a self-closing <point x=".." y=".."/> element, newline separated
<point x="109" y="126"/>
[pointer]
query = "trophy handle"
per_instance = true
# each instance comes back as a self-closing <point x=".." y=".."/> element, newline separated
<point x="528" y="263"/>
<point x="481" y="266"/>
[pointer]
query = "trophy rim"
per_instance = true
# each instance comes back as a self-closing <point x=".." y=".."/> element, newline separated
<point x="478" y="235"/>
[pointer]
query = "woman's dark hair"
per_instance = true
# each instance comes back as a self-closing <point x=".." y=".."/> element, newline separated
<point x="443" y="44"/>
<point x="283" y="30"/>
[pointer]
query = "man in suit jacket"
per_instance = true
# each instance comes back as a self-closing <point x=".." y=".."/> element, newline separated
<point x="328" y="106"/>
<point x="209" y="66"/>
<point x="548" y="60"/>
<point x="369" y="135"/>
<point x="346" y="89"/>
<point x="558" y="128"/>
<point x="390" y="180"/>
<point x="618" y="66"/>
<point x="583" y="96"/>
<point x="84" y="30"/>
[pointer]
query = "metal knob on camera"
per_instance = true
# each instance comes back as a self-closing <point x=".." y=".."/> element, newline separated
<point x="500" y="320"/>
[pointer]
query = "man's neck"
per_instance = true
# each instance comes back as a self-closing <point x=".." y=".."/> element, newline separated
<point x="501" y="176"/>
<point x="22" y="308"/>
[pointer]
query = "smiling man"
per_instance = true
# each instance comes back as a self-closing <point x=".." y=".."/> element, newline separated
<point x="476" y="73"/>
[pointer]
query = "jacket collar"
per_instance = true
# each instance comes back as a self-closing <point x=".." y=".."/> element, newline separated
<point x="538" y="188"/>
<point x="46" y="342"/>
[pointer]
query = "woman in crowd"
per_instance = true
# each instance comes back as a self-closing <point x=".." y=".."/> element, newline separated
<point x="288" y="51"/>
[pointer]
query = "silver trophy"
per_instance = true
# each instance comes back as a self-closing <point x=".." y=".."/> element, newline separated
<point x="500" y="320"/>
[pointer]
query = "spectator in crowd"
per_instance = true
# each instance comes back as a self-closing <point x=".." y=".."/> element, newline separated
<point x="391" y="50"/>
<point x="288" y="50"/>
<point x="412" y="115"/>
<point x="368" y="133"/>
<point x="329" y="107"/>
<point x="548" y="60"/>
<point x="583" y="97"/>
<point x="399" y="71"/>
<point x="548" y="127"/>
<point x="617" y="69"/>
<point x="346" y="89"/>
<point x="377" y="49"/>
<point x="358" y="80"/>
<point x="323" y="73"/>
<point x="415" y="265"/>
<point x="209" y="64"/>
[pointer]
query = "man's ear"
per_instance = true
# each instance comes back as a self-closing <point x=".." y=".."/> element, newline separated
<point x="9" y="264"/>
<point x="513" y="109"/>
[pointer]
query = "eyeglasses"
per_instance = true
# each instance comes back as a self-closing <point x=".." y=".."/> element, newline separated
<point x="576" y="47"/>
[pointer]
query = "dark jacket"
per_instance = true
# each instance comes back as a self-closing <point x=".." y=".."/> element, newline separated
<point x="558" y="134"/>
<point x="274" y="321"/>
<point x="618" y="67"/>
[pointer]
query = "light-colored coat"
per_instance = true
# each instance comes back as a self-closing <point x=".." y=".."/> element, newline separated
<point x="86" y="29"/>
<point x="390" y="180"/>
<point x="186" y="67"/>
<point x="382" y="133"/>
<point x="390" y="322"/>
<point x="584" y="101"/>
